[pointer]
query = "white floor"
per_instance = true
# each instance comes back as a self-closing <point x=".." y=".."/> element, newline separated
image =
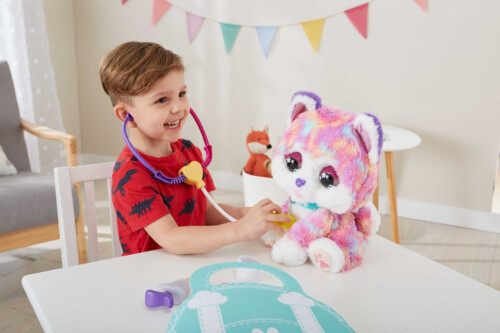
<point x="472" y="253"/>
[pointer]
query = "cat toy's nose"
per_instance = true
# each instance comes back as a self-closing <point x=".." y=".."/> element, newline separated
<point x="300" y="182"/>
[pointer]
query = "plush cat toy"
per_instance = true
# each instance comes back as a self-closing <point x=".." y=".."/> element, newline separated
<point x="258" y="145"/>
<point x="328" y="161"/>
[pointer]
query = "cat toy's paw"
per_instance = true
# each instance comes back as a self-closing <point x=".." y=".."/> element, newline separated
<point x="288" y="252"/>
<point x="326" y="255"/>
<point x="271" y="237"/>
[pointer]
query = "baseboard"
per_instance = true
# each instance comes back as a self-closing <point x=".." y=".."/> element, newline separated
<point x="454" y="216"/>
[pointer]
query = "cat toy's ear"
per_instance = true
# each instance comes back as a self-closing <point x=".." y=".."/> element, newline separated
<point x="302" y="101"/>
<point x="370" y="132"/>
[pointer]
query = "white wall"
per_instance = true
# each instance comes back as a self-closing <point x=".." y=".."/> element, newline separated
<point x="59" y="18"/>
<point x="434" y="73"/>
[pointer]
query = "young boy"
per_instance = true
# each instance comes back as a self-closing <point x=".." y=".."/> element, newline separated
<point x="147" y="81"/>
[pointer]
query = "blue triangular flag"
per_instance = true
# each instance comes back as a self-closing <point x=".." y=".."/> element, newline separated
<point x="266" y="35"/>
<point x="229" y="33"/>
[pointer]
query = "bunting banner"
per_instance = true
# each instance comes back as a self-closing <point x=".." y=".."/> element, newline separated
<point x="422" y="4"/>
<point x="314" y="30"/>
<point x="266" y="36"/>
<point x="358" y="16"/>
<point x="193" y="25"/>
<point x="229" y="33"/>
<point x="160" y="7"/>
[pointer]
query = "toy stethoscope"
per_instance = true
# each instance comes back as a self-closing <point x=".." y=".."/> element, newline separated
<point x="191" y="174"/>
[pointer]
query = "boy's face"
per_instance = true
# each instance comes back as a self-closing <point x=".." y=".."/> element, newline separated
<point x="160" y="112"/>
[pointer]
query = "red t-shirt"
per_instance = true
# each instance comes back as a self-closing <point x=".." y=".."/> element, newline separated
<point x="140" y="200"/>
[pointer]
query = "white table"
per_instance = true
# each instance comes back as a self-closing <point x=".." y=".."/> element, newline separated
<point x="394" y="290"/>
<point x="395" y="139"/>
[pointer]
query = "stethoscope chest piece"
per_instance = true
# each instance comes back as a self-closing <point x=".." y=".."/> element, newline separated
<point x="194" y="174"/>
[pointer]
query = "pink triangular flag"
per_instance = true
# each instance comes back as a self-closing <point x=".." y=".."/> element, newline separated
<point x="193" y="25"/>
<point x="123" y="2"/>
<point x="422" y="4"/>
<point x="359" y="18"/>
<point x="160" y="7"/>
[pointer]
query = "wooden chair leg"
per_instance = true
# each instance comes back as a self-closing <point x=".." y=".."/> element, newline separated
<point x="375" y="196"/>
<point x="82" y="242"/>
<point x="391" y="185"/>
<point x="80" y="228"/>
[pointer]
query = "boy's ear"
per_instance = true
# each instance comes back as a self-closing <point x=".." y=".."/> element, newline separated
<point x="121" y="113"/>
<point x="302" y="101"/>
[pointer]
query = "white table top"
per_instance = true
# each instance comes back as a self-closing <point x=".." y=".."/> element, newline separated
<point x="394" y="290"/>
<point x="396" y="138"/>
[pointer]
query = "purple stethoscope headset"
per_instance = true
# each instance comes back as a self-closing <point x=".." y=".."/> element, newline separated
<point x="191" y="174"/>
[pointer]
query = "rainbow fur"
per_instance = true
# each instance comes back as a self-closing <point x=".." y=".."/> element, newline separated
<point x="328" y="161"/>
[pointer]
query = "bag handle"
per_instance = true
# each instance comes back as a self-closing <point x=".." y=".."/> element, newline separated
<point x="200" y="278"/>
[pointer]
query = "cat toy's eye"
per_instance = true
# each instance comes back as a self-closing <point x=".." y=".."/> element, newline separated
<point x="293" y="161"/>
<point x="328" y="177"/>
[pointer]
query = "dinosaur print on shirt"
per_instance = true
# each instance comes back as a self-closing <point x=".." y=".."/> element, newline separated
<point x="186" y="144"/>
<point x="166" y="198"/>
<point x="142" y="207"/>
<point x="140" y="200"/>
<point x="120" y="217"/>
<point x="124" y="246"/>
<point x="188" y="207"/>
<point x="118" y="164"/>
<point x="124" y="180"/>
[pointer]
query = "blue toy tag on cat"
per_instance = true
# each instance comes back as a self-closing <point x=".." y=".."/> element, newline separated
<point x="252" y="307"/>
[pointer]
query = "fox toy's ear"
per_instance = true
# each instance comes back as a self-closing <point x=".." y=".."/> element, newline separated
<point x="302" y="101"/>
<point x="370" y="132"/>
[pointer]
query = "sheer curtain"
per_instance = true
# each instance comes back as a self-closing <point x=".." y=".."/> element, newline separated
<point x="24" y="44"/>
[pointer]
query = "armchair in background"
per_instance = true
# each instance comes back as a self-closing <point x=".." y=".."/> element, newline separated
<point x="28" y="210"/>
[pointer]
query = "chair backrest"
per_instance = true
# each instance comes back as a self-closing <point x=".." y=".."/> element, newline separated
<point x="87" y="174"/>
<point x="11" y="132"/>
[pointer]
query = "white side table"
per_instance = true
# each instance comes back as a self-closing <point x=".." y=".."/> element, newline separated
<point x="395" y="139"/>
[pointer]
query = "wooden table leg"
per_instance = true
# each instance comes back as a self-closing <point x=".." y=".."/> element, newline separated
<point x="375" y="195"/>
<point x="391" y="186"/>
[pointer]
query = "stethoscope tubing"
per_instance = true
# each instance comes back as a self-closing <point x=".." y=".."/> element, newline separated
<point x="177" y="180"/>
<point x="156" y="173"/>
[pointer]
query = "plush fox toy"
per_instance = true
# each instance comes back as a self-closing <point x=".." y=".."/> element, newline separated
<point x="328" y="161"/>
<point x="258" y="145"/>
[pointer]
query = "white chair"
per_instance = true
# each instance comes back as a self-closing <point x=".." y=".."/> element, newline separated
<point x="87" y="174"/>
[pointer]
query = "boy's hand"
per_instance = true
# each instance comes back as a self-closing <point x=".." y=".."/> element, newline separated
<point x="255" y="223"/>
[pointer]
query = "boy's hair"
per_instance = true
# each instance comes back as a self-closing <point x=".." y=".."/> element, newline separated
<point x="131" y="68"/>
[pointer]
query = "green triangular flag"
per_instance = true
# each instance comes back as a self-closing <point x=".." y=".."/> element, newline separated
<point x="229" y="33"/>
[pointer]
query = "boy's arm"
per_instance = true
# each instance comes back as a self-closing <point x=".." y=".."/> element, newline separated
<point x="214" y="217"/>
<point x="192" y="239"/>
<point x="201" y="239"/>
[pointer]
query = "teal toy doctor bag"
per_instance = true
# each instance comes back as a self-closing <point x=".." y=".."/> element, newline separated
<point x="252" y="307"/>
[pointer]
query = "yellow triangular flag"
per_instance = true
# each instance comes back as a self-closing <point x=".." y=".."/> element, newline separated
<point x="313" y="30"/>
